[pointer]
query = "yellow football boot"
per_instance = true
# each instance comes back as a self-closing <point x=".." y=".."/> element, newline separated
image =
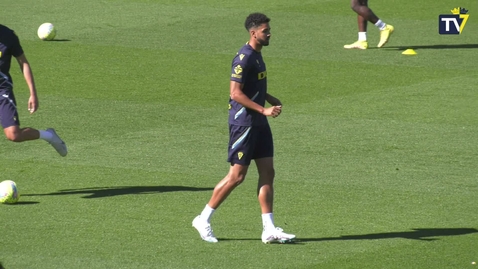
<point x="385" y="35"/>
<point x="361" y="45"/>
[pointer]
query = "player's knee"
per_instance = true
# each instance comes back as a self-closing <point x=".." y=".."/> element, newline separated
<point x="236" y="179"/>
<point x="13" y="136"/>
<point x="356" y="4"/>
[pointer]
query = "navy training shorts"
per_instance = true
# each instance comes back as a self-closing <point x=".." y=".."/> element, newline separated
<point x="8" y="110"/>
<point x="249" y="142"/>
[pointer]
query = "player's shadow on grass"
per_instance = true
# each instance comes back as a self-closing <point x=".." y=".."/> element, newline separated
<point x="23" y="203"/>
<point x="424" y="234"/>
<point x="99" y="192"/>
<point x="442" y="46"/>
<point x="59" y="40"/>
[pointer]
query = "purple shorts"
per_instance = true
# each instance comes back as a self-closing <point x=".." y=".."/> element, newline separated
<point x="249" y="142"/>
<point x="8" y="110"/>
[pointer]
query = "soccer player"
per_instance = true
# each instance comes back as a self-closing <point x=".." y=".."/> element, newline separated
<point x="364" y="15"/>
<point x="10" y="46"/>
<point x="250" y="135"/>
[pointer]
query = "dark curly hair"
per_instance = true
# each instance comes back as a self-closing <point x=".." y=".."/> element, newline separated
<point x="255" y="19"/>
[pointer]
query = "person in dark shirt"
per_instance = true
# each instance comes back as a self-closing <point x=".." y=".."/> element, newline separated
<point x="250" y="136"/>
<point x="10" y="47"/>
<point x="365" y="15"/>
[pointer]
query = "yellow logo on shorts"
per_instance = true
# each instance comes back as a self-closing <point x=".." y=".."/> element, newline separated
<point x="262" y="75"/>
<point x="240" y="154"/>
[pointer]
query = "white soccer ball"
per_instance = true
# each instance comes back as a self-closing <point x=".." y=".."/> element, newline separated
<point x="46" y="31"/>
<point x="8" y="192"/>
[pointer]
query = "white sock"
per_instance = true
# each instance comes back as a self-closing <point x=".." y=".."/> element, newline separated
<point x="268" y="221"/>
<point x="207" y="213"/>
<point x="45" y="135"/>
<point x="362" y="36"/>
<point x="380" y="24"/>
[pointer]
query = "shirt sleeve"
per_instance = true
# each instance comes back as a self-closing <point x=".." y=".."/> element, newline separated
<point x="17" y="49"/>
<point x="239" y="68"/>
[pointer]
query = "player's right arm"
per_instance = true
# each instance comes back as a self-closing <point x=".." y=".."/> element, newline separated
<point x="238" y="96"/>
<point x="28" y="75"/>
<point x="17" y="52"/>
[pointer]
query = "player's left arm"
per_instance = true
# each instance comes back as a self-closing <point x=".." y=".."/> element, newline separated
<point x="28" y="75"/>
<point x="272" y="100"/>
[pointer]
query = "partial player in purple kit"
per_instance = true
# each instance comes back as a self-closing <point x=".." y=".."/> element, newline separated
<point x="250" y="136"/>
<point x="10" y="47"/>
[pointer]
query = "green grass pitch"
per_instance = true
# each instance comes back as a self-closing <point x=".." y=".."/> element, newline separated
<point x="376" y="152"/>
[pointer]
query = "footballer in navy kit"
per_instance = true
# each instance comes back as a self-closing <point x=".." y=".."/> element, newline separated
<point x="10" y="47"/>
<point x="250" y="136"/>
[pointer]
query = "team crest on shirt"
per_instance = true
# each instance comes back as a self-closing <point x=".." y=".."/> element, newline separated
<point x="239" y="155"/>
<point x="238" y="69"/>
<point x="241" y="57"/>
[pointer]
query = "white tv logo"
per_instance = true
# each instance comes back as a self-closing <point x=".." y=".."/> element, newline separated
<point x="447" y="23"/>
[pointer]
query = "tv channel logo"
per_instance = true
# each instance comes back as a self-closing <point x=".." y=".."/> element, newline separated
<point x="453" y="24"/>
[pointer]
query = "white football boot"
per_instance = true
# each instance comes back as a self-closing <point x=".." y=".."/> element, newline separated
<point x="276" y="235"/>
<point x="57" y="143"/>
<point x="204" y="229"/>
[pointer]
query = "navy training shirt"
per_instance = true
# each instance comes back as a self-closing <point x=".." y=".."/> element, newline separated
<point x="9" y="46"/>
<point x="248" y="68"/>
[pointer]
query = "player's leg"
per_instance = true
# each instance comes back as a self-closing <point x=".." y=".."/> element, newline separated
<point x="385" y="29"/>
<point x="361" y="43"/>
<point x="16" y="134"/>
<point x="237" y="174"/>
<point x="11" y="126"/>
<point x="366" y="14"/>
<point x="265" y="191"/>
<point x="361" y="8"/>
<point x="264" y="152"/>
<point x="362" y="21"/>
<point x="239" y="156"/>
<point x="265" y="195"/>
<point x="265" y="187"/>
